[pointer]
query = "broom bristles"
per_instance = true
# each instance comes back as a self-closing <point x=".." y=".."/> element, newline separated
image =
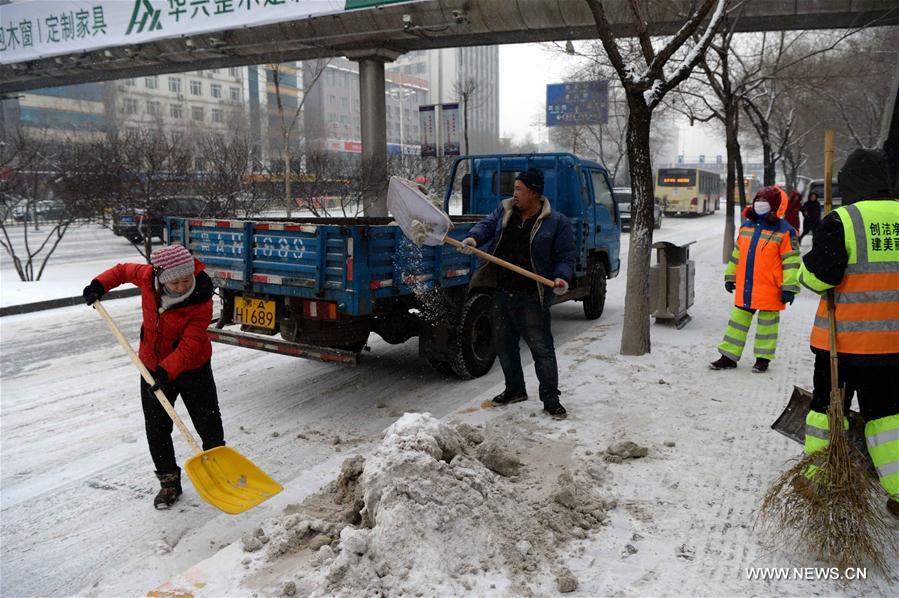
<point x="837" y="515"/>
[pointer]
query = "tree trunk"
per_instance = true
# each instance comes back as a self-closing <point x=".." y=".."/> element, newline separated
<point x="770" y="164"/>
<point x="465" y="116"/>
<point x="733" y="149"/>
<point x="635" y="334"/>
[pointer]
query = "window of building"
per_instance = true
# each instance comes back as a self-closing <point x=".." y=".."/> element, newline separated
<point x="153" y="108"/>
<point x="218" y="115"/>
<point x="175" y="84"/>
<point x="196" y="88"/>
<point x="151" y="82"/>
<point x="215" y="70"/>
<point x="331" y="100"/>
<point x="175" y="111"/>
<point x="130" y="106"/>
<point x="196" y="113"/>
<point x="215" y="90"/>
<point x="128" y="82"/>
<point x="235" y="94"/>
<point x="233" y="71"/>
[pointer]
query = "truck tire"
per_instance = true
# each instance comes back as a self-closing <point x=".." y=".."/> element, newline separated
<point x="475" y="353"/>
<point x="595" y="300"/>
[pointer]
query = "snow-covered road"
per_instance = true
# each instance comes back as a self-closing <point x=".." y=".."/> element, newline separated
<point x="77" y="482"/>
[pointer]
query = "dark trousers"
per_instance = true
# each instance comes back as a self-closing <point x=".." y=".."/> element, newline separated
<point x="197" y="388"/>
<point x="875" y="384"/>
<point x="518" y="315"/>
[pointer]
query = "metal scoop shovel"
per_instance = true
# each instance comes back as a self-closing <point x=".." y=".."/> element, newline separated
<point x="223" y="477"/>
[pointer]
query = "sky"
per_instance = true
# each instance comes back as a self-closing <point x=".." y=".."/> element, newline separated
<point x="524" y="72"/>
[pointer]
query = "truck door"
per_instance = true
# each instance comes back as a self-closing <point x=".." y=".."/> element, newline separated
<point x="607" y="228"/>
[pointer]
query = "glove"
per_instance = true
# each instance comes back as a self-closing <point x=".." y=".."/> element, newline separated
<point x="729" y="286"/>
<point x="787" y="297"/>
<point x="160" y="377"/>
<point x="93" y="292"/>
<point x="561" y="287"/>
<point x="468" y="243"/>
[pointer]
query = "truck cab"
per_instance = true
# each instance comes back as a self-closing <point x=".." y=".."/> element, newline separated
<point x="578" y="188"/>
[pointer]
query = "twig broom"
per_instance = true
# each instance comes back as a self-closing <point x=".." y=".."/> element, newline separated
<point x="829" y="503"/>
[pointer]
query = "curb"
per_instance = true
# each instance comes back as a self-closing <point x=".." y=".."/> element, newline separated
<point x="27" y="308"/>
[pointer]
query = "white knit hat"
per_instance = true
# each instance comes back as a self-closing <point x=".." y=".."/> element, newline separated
<point x="173" y="262"/>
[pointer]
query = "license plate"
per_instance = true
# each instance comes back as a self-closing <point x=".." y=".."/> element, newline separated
<point x="255" y="312"/>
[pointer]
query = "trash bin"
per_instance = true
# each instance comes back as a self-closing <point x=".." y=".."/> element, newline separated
<point x="671" y="283"/>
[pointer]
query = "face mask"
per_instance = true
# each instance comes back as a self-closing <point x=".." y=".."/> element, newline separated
<point x="761" y="207"/>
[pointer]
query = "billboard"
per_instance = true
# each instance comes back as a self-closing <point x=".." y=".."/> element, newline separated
<point x="32" y="29"/>
<point x="450" y="116"/>
<point x="577" y="103"/>
<point x="427" y="118"/>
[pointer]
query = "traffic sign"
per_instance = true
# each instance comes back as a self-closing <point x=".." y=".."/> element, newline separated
<point x="577" y="103"/>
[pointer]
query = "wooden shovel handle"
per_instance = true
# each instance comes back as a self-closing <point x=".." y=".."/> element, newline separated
<point x="503" y="263"/>
<point x="147" y="376"/>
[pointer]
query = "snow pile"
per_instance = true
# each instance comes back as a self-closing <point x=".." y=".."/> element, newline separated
<point x="438" y="510"/>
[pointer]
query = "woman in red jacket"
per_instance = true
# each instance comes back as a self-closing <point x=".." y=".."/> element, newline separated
<point x="176" y="300"/>
<point x="794" y="205"/>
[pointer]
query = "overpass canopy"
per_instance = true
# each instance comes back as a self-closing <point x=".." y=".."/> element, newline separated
<point x="47" y="43"/>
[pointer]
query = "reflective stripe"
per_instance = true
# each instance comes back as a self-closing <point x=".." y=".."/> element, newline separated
<point x="817" y="432"/>
<point x="888" y="469"/>
<point x="790" y="288"/>
<point x="766" y="337"/>
<point x="791" y="266"/>
<point x="759" y="352"/>
<point x="734" y="260"/>
<point x="883" y="438"/>
<point x="861" y="233"/>
<point x="730" y="278"/>
<point x="732" y="324"/>
<point x="868" y="297"/>
<point x="734" y="341"/>
<point x="873" y="268"/>
<point x="860" y="325"/>
<point x="790" y="254"/>
<point x="768" y="322"/>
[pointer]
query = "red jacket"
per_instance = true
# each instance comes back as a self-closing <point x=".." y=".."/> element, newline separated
<point x="792" y="213"/>
<point x="175" y="340"/>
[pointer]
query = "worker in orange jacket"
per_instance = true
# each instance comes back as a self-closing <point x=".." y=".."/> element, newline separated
<point x="763" y="270"/>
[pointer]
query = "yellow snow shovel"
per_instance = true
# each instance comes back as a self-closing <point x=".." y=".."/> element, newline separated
<point x="223" y="477"/>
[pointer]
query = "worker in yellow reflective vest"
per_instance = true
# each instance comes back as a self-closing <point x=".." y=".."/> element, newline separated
<point x="762" y="274"/>
<point x="855" y="252"/>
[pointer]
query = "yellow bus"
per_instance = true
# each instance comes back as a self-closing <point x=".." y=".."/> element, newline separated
<point x="688" y="191"/>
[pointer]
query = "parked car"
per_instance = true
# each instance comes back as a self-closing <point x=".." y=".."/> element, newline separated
<point x="817" y="186"/>
<point x="45" y="210"/>
<point x="623" y="197"/>
<point x="137" y="223"/>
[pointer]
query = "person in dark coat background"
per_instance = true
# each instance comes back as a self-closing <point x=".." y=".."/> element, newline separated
<point x="811" y="216"/>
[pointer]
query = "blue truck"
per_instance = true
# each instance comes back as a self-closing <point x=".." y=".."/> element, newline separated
<point x="318" y="287"/>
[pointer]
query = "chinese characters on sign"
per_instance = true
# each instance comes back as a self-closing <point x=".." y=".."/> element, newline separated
<point x="579" y="103"/>
<point x="884" y="236"/>
<point x="426" y="115"/>
<point x="450" y="129"/>
<point x="32" y="29"/>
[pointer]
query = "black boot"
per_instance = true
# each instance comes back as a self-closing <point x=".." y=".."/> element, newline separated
<point x="506" y="397"/>
<point x="723" y="363"/>
<point x="761" y="365"/>
<point x="170" y="489"/>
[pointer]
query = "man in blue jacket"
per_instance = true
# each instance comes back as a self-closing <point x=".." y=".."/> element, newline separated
<point x="529" y="234"/>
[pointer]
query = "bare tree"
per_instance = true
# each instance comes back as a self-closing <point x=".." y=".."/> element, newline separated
<point x="645" y="86"/>
<point x="154" y="168"/>
<point x="289" y="121"/>
<point x="35" y="164"/>
<point x="468" y="90"/>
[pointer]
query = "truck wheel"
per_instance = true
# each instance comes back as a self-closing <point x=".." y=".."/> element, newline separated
<point x="475" y="353"/>
<point x="595" y="301"/>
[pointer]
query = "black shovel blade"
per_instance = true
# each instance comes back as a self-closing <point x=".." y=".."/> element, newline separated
<point x="791" y="422"/>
